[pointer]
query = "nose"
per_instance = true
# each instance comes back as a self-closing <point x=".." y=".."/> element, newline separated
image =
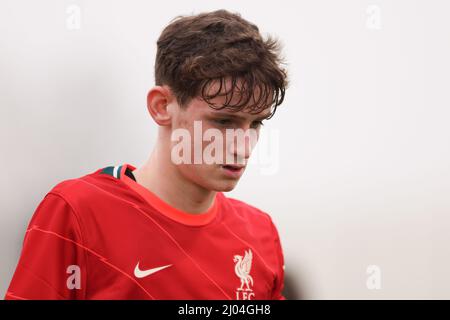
<point x="241" y="146"/>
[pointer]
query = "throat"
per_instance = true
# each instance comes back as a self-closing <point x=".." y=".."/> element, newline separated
<point x="180" y="195"/>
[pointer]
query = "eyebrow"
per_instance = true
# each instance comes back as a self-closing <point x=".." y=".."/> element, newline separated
<point x="230" y="115"/>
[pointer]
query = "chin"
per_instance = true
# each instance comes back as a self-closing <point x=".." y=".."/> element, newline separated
<point x="225" y="189"/>
<point x="225" y="186"/>
<point x="210" y="182"/>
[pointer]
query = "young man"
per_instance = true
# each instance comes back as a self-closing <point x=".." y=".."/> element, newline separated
<point x="166" y="230"/>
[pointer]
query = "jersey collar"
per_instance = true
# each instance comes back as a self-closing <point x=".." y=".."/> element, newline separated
<point x="190" y="219"/>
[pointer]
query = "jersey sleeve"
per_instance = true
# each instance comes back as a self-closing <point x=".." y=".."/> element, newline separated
<point x="279" y="279"/>
<point x="52" y="264"/>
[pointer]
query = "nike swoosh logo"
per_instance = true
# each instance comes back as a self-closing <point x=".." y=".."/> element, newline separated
<point x="138" y="273"/>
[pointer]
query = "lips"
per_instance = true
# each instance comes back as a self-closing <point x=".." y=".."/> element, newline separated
<point x="233" y="171"/>
<point x="231" y="167"/>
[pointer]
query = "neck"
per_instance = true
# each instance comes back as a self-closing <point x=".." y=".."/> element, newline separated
<point x="160" y="176"/>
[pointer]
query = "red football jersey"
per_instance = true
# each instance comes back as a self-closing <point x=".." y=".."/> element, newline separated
<point x="104" y="236"/>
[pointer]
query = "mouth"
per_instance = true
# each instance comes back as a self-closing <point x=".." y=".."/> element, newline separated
<point x="234" y="171"/>
<point x="233" y="167"/>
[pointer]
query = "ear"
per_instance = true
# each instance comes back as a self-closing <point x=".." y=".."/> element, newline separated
<point x="158" y="100"/>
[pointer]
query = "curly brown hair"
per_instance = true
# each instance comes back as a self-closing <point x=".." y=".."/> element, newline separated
<point x="193" y="51"/>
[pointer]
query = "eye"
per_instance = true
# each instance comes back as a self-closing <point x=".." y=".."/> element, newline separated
<point x="257" y="124"/>
<point x="223" y="122"/>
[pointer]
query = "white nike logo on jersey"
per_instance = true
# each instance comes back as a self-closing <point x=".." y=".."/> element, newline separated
<point x="138" y="273"/>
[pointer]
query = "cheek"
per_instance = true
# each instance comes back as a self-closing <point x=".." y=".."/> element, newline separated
<point x="181" y="122"/>
<point x="200" y="141"/>
<point x="199" y="174"/>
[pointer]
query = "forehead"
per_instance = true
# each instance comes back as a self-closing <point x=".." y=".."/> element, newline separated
<point x="223" y="94"/>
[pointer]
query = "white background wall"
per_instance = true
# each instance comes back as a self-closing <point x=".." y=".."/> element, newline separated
<point x="363" y="165"/>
